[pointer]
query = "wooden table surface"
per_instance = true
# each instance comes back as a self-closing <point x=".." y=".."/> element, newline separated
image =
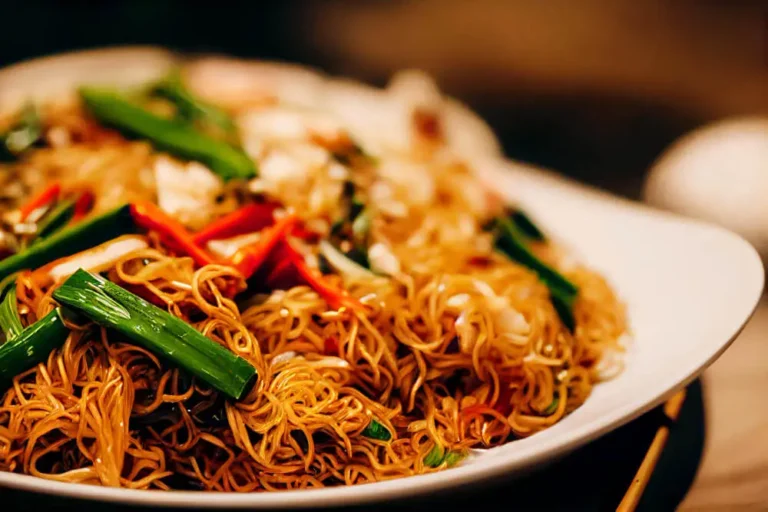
<point x="734" y="471"/>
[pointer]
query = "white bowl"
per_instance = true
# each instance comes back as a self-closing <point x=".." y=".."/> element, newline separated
<point x="690" y="287"/>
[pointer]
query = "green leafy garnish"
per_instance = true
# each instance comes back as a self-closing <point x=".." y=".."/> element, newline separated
<point x="376" y="430"/>
<point x="113" y="307"/>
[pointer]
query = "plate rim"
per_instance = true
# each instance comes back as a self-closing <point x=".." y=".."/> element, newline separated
<point x="419" y="484"/>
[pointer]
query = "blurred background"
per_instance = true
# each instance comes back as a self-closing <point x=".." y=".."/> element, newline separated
<point x="595" y="89"/>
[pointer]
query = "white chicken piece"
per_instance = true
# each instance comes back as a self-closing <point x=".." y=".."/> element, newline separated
<point x="186" y="191"/>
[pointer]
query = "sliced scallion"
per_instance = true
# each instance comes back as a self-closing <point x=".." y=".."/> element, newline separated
<point x="66" y="242"/>
<point x="190" y="107"/>
<point x="563" y="292"/>
<point x="376" y="430"/>
<point x="22" y="135"/>
<point x="32" y="345"/>
<point x="526" y="226"/>
<point x="176" y="137"/>
<point x="113" y="307"/>
<point x="56" y="219"/>
<point x="552" y="407"/>
<point x="10" y="323"/>
<point x="435" y="456"/>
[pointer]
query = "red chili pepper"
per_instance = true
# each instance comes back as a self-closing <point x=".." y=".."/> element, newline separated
<point x="47" y="196"/>
<point x="476" y="410"/>
<point x="152" y="218"/>
<point x="250" y="258"/>
<point x="83" y="204"/>
<point x="248" y="219"/>
<point x="331" y="346"/>
<point x="336" y="297"/>
<point x="300" y="231"/>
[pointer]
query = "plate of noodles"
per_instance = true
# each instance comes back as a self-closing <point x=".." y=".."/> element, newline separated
<point x="256" y="285"/>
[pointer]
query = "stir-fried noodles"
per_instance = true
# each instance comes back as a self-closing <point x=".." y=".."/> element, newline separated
<point x="387" y="311"/>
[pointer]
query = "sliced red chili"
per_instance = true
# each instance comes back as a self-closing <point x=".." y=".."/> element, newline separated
<point x="148" y="216"/>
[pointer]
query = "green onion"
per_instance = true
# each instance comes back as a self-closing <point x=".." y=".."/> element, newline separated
<point x="10" y="323"/>
<point x="22" y="135"/>
<point x="361" y="226"/>
<point x="343" y="264"/>
<point x="111" y="306"/>
<point x="66" y="242"/>
<point x="453" y="458"/>
<point x="56" y="219"/>
<point x="552" y="407"/>
<point x="32" y="345"/>
<point x="562" y="291"/>
<point x="437" y="456"/>
<point x="7" y="283"/>
<point x="190" y="107"/>
<point x="376" y="430"/>
<point x="175" y="137"/>
<point x="526" y="226"/>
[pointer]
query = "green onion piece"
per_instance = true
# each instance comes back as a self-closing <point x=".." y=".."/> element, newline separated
<point x="526" y="226"/>
<point x="376" y="430"/>
<point x="509" y="243"/>
<point x="562" y="291"/>
<point x="22" y="135"/>
<point x="190" y="107"/>
<point x="7" y="283"/>
<point x="343" y="264"/>
<point x="175" y="137"/>
<point x="435" y="456"/>
<point x="361" y="226"/>
<point x="67" y="242"/>
<point x="56" y="219"/>
<point x="453" y="458"/>
<point x="552" y="407"/>
<point x="33" y="345"/>
<point x="10" y="323"/>
<point x="111" y="306"/>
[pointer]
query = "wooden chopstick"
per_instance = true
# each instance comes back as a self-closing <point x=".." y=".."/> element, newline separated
<point x="640" y="481"/>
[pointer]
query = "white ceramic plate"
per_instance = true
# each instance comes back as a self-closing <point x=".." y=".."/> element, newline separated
<point x="689" y="288"/>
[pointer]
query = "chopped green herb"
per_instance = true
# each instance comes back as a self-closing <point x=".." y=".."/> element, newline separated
<point x="453" y="458"/>
<point x="376" y="430"/>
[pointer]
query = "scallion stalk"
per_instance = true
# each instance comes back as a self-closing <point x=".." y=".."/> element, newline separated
<point x="176" y="137"/>
<point x="22" y="135"/>
<point x="54" y="220"/>
<point x="66" y="242"/>
<point x="562" y="291"/>
<point x="10" y="323"/>
<point x="32" y="345"/>
<point x="113" y="307"/>
<point x="376" y="430"/>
